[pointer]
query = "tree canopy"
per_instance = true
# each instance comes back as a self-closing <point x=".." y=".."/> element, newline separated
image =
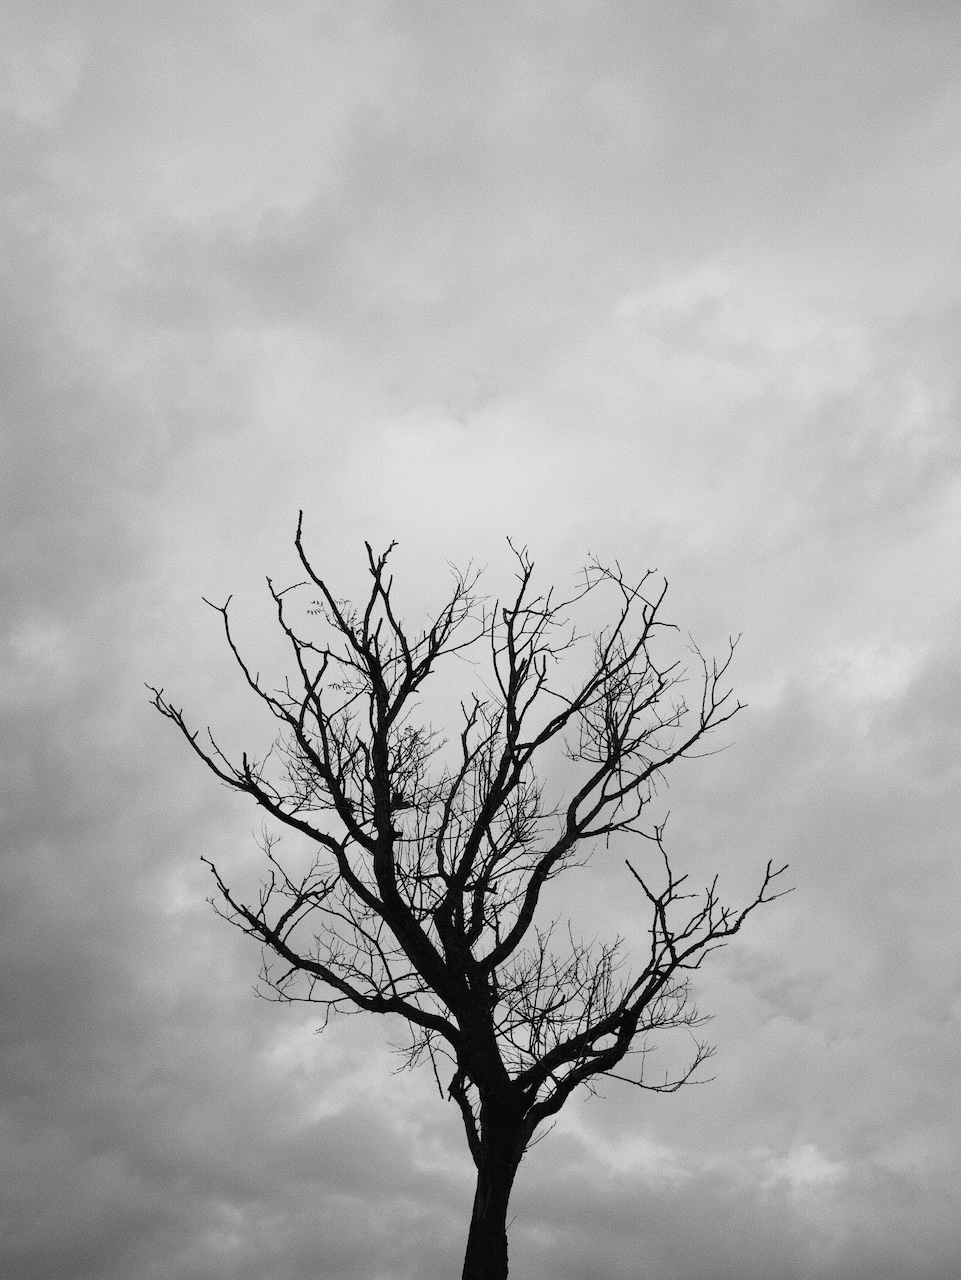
<point x="428" y="849"/>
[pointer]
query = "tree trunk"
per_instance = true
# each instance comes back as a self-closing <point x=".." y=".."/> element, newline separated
<point x="486" y="1256"/>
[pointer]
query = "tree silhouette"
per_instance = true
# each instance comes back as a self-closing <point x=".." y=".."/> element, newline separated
<point x="422" y="889"/>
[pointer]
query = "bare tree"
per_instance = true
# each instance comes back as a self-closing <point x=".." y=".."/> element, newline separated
<point x="421" y="893"/>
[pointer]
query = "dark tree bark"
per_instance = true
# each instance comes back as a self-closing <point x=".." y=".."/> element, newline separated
<point x="500" y="1156"/>
<point x="422" y="893"/>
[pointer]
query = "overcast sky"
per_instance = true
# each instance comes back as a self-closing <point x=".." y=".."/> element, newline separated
<point x="677" y="283"/>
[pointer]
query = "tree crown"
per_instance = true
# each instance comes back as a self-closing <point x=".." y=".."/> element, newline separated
<point x="422" y="892"/>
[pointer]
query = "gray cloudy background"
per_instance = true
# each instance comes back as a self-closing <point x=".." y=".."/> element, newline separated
<point x="677" y="283"/>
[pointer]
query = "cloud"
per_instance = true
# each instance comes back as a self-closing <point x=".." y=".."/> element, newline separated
<point x="672" y="286"/>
